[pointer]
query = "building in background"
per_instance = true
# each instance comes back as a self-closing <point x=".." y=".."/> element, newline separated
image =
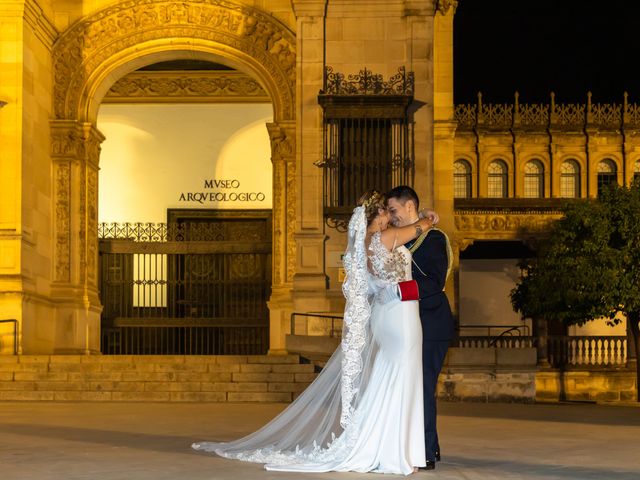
<point x="179" y="170"/>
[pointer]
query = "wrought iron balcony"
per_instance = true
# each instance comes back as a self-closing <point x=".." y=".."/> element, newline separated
<point x="367" y="138"/>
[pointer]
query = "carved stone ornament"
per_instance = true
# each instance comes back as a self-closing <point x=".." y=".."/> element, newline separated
<point x="443" y="6"/>
<point x="516" y="224"/>
<point x="464" y="243"/>
<point x="282" y="142"/>
<point x="291" y="218"/>
<point x="283" y="149"/>
<point x="63" y="231"/>
<point x="75" y="150"/>
<point x="95" y="40"/>
<point x="190" y="86"/>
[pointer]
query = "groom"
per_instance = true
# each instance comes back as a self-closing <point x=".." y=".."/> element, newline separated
<point x="429" y="269"/>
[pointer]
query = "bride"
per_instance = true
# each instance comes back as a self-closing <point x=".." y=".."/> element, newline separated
<point x="364" y="412"/>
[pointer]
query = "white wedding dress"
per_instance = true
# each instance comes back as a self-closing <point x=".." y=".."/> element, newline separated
<point x="364" y="412"/>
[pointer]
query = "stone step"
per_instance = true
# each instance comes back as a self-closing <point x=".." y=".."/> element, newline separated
<point x="153" y="378"/>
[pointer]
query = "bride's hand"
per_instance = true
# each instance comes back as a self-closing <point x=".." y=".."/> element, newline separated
<point x="425" y="224"/>
<point x="431" y="214"/>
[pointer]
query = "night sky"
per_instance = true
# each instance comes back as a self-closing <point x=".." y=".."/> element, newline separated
<point x="539" y="46"/>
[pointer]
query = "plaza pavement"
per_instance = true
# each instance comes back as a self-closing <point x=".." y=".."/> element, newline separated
<point x="151" y="441"/>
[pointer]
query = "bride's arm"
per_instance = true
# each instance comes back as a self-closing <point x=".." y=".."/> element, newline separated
<point x="394" y="236"/>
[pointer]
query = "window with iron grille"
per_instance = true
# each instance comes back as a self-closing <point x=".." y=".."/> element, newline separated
<point x="570" y="179"/>
<point x="497" y="182"/>
<point x="636" y="171"/>
<point x="533" y="179"/>
<point x="607" y="174"/>
<point x="461" y="179"/>
<point x="367" y="138"/>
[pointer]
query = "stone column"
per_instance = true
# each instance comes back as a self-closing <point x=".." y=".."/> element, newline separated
<point x="555" y="168"/>
<point x="444" y="129"/>
<point x="310" y="280"/>
<point x="283" y="149"/>
<point x="591" y="148"/>
<point x="75" y="150"/>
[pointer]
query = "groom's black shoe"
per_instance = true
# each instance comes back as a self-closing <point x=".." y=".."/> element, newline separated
<point x="431" y="465"/>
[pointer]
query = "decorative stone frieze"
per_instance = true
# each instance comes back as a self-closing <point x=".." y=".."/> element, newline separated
<point x="191" y="86"/>
<point x="478" y="224"/>
<point x="62" y="221"/>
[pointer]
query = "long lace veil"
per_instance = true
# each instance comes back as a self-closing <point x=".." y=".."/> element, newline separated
<point x="312" y="427"/>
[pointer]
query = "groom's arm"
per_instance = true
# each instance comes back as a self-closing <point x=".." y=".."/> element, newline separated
<point x="431" y="258"/>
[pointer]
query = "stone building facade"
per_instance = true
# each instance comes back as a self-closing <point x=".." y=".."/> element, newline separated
<point x="516" y="164"/>
<point x="59" y="59"/>
<point x="493" y="172"/>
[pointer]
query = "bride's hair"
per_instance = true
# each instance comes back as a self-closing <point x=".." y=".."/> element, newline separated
<point x="372" y="200"/>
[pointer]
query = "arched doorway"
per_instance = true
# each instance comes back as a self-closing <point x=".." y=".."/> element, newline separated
<point x="97" y="51"/>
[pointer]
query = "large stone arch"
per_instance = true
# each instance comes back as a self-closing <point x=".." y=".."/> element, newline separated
<point x="257" y="40"/>
<point x="99" y="49"/>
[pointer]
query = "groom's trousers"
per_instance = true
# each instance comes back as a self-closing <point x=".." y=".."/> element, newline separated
<point x="433" y="353"/>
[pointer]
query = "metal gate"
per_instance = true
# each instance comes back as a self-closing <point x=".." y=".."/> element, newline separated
<point x="189" y="287"/>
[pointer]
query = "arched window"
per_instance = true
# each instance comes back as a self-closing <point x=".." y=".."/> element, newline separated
<point x="570" y="179"/>
<point x="534" y="179"/>
<point x="636" y="171"/>
<point x="607" y="174"/>
<point x="498" y="187"/>
<point x="461" y="179"/>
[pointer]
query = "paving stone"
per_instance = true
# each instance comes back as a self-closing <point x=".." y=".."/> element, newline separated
<point x="151" y="441"/>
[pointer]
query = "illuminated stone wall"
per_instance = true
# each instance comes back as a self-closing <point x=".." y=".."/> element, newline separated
<point x="26" y="39"/>
<point x="589" y="136"/>
<point x="59" y="62"/>
<point x="160" y="156"/>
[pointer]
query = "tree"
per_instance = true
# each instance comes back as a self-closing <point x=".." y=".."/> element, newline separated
<point x="589" y="267"/>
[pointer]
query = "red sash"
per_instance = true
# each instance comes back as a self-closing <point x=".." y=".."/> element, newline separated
<point x="409" y="290"/>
